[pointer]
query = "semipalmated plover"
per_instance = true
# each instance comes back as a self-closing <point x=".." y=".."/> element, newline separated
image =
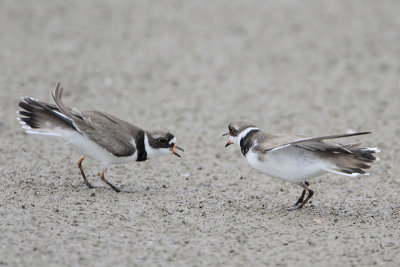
<point x="296" y="158"/>
<point x="94" y="134"/>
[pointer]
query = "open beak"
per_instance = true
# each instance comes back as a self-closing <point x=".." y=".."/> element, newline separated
<point x="174" y="152"/>
<point x="228" y="144"/>
<point x="229" y="141"/>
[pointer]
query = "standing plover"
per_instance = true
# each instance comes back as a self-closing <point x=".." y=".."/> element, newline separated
<point x="295" y="158"/>
<point x="94" y="134"/>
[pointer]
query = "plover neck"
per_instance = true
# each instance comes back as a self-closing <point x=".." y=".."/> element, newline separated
<point x="246" y="140"/>
<point x="151" y="151"/>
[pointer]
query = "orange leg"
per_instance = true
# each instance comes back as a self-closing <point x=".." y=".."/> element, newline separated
<point x="83" y="173"/>
<point x="116" y="189"/>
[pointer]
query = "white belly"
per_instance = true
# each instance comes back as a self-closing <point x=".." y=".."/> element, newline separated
<point x="90" y="149"/>
<point x="291" y="164"/>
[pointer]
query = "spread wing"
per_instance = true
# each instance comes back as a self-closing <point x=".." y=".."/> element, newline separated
<point x="111" y="133"/>
<point x="271" y="142"/>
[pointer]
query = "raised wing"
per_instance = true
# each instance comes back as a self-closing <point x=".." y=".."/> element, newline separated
<point x="109" y="132"/>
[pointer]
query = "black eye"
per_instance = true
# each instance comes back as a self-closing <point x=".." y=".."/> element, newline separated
<point x="162" y="140"/>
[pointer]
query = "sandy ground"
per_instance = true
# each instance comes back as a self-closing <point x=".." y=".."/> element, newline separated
<point x="192" y="67"/>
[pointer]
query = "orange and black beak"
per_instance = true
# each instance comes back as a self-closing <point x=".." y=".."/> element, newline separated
<point x="174" y="152"/>
<point x="229" y="141"/>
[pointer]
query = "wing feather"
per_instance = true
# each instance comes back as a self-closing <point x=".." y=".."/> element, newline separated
<point x="109" y="132"/>
<point x="267" y="142"/>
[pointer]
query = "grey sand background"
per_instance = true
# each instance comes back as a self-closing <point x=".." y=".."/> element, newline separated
<point x="191" y="67"/>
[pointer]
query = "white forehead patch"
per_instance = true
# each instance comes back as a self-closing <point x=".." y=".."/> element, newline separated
<point x="172" y="141"/>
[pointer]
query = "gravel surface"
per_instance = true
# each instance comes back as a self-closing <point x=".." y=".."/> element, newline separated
<point x="191" y="67"/>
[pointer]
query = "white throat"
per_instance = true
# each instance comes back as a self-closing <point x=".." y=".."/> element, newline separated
<point x="154" y="152"/>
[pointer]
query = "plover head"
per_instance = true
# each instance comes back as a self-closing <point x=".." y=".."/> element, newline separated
<point x="238" y="130"/>
<point x="159" y="143"/>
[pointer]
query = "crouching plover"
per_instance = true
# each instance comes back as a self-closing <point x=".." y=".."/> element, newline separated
<point x="94" y="134"/>
<point x="295" y="158"/>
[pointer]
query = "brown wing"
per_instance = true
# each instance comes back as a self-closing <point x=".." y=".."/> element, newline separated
<point x="267" y="142"/>
<point x="271" y="142"/>
<point x="111" y="133"/>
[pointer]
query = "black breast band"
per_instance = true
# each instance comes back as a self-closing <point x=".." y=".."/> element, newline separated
<point x="246" y="142"/>
<point x="141" y="151"/>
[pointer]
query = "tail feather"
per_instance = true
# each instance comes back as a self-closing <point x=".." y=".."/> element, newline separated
<point x="362" y="165"/>
<point x="42" y="118"/>
<point x="352" y="146"/>
<point x="355" y="163"/>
